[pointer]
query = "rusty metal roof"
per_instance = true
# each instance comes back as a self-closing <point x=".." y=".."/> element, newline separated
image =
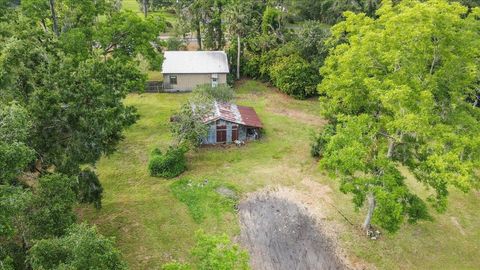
<point x="249" y="117"/>
<point x="236" y="114"/>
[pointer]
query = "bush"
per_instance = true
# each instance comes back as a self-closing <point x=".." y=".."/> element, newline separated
<point x="294" y="76"/>
<point x="169" y="165"/>
<point x="213" y="252"/>
<point x="89" y="188"/>
<point x="218" y="252"/>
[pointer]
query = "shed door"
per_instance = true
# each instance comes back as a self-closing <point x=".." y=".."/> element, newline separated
<point x="234" y="133"/>
<point x="221" y="134"/>
<point x="214" y="80"/>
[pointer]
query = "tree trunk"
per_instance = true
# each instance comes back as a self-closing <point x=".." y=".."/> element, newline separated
<point x="238" y="56"/>
<point x="199" y="36"/>
<point x="145" y="8"/>
<point x="54" y="17"/>
<point x="391" y="146"/>
<point x="371" y="208"/>
<point x="220" y="44"/>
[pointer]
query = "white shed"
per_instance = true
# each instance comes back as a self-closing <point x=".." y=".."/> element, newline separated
<point x="184" y="70"/>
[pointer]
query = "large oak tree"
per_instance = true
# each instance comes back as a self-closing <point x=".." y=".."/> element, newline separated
<point x="401" y="90"/>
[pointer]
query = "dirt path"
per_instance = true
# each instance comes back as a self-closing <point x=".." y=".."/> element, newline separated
<point x="280" y="234"/>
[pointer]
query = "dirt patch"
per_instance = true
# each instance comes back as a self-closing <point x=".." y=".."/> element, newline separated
<point x="282" y="234"/>
<point x="457" y="225"/>
<point x="226" y="192"/>
<point x="300" y="116"/>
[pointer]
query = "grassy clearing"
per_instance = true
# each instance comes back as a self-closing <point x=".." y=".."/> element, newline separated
<point x="202" y="198"/>
<point x="153" y="226"/>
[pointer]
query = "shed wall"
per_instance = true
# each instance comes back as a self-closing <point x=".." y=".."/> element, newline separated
<point x="211" y="137"/>
<point x="188" y="82"/>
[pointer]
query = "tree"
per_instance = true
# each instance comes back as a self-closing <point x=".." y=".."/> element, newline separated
<point x="15" y="154"/>
<point x="205" y="18"/>
<point x="188" y="125"/>
<point x="238" y="16"/>
<point x="81" y="248"/>
<point x="51" y="209"/>
<point x="310" y="42"/>
<point x="13" y="202"/>
<point x="125" y="35"/>
<point x="294" y="76"/>
<point x="66" y="67"/>
<point x="400" y="90"/>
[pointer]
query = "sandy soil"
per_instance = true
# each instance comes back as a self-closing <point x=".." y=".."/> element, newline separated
<point x="280" y="233"/>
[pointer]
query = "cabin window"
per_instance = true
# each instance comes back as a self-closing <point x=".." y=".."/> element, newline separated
<point x="173" y="79"/>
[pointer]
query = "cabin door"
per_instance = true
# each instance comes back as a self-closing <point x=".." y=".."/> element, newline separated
<point x="234" y="133"/>
<point x="221" y="134"/>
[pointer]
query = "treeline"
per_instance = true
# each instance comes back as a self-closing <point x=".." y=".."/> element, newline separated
<point x="277" y="41"/>
<point x="65" y="68"/>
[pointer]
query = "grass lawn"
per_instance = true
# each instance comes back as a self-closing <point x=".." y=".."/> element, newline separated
<point x="152" y="226"/>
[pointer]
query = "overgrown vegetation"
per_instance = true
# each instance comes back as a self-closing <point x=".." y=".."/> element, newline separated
<point x="168" y="165"/>
<point x="214" y="252"/>
<point x="204" y="198"/>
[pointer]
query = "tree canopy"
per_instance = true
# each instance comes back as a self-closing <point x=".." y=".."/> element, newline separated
<point x="400" y="90"/>
<point x="65" y="68"/>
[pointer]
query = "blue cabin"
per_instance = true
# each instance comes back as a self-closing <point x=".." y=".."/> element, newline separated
<point x="230" y="123"/>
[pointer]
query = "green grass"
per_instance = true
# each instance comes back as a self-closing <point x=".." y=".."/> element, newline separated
<point x="152" y="226"/>
<point x="202" y="198"/>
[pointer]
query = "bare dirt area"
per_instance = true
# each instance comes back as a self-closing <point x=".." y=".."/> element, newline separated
<point x="280" y="233"/>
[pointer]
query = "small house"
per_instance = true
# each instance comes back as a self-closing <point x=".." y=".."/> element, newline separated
<point x="185" y="70"/>
<point x="232" y="123"/>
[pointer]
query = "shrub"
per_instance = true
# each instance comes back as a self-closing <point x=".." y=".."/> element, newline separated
<point x="294" y="76"/>
<point x="168" y="165"/>
<point x="213" y="252"/>
<point x="89" y="188"/>
<point x="218" y="252"/>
